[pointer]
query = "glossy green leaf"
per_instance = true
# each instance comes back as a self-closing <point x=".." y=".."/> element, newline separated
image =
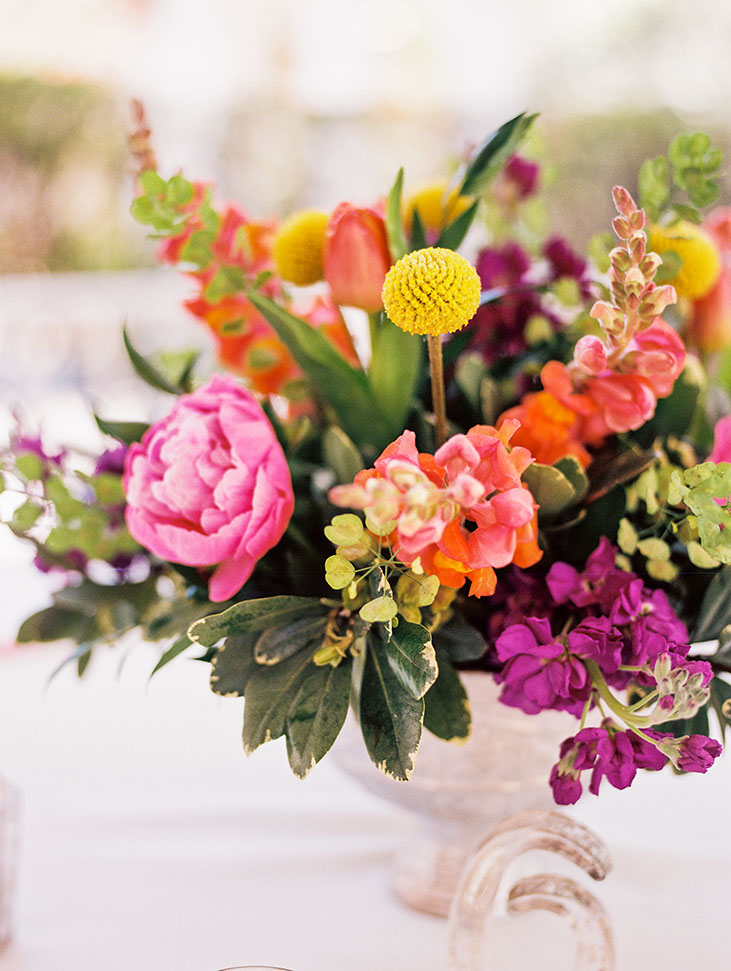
<point x="410" y="653"/>
<point x="397" y="242"/>
<point x="715" y="610"/>
<point x="278" y="643"/>
<point x="390" y="717"/>
<point x="252" y="616"/>
<point x="55" y="624"/>
<point x="397" y="361"/>
<point x="232" y="664"/>
<point x="418" y="233"/>
<point x="446" y="706"/>
<point x="340" y="454"/>
<point x="452" y="236"/>
<point x="175" y="649"/>
<point x="346" y="389"/>
<point x="460" y="640"/>
<point x="489" y="157"/>
<point x="551" y="489"/>
<point x="570" y="466"/>
<point x="147" y="371"/>
<point x="317" y="715"/>
<point x="270" y="694"/>
<point x="124" y="431"/>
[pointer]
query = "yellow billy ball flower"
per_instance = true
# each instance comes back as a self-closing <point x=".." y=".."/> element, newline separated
<point x="435" y="208"/>
<point x="701" y="264"/>
<point x="431" y="291"/>
<point x="298" y="247"/>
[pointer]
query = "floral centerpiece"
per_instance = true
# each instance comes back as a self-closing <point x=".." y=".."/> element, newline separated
<point x="339" y="523"/>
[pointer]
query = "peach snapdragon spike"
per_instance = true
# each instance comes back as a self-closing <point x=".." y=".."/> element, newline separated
<point x="613" y="383"/>
<point x="461" y="513"/>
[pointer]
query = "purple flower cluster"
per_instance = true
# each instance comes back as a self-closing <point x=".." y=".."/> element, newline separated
<point x="615" y="632"/>
<point x="499" y="328"/>
<point x="608" y="753"/>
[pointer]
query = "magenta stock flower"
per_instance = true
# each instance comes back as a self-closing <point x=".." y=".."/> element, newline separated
<point x="698" y="753"/>
<point x="209" y="485"/>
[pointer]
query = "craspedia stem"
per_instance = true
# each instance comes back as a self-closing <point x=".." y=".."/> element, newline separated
<point x="434" y="342"/>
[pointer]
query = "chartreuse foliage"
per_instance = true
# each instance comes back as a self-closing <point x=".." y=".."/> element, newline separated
<point x="706" y="491"/>
<point x="682" y="183"/>
<point x="298" y="662"/>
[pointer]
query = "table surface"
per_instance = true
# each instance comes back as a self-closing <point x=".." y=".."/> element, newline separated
<point x="150" y="842"/>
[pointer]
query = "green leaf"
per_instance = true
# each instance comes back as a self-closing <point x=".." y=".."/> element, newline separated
<point x="232" y="664"/>
<point x="446" y="706"/>
<point x="30" y="466"/>
<point x="460" y="640"/>
<point x="469" y="375"/>
<point x="390" y="717"/>
<point x="654" y="186"/>
<point x="316" y="716"/>
<point x="411" y="655"/>
<point x="452" y="236"/>
<point x="418" y="233"/>
<point x="489" y="157"/>
<point x="252" y="616"/>
<point x="397" y="242"/>
<point x="147" y="371"/>
<point x="124" y="431"/>
<point x="551" y="489"/>
<point x="55" y="624"/>
<point x="570" y="466"/>
<point x="715" y="612"/>
<point x="271" y="693"/>
<point x="340" y="454"/>
<point x="278" y="643"/>
<point x="397" y="360"/>
<point x="180" y="645"/>
<point x="720" y="693"/>
<point x="26" y="516"/>
<point x="346" y="389"/>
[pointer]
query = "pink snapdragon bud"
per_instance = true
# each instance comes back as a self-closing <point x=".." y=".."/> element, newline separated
<point x="590" y="354"/>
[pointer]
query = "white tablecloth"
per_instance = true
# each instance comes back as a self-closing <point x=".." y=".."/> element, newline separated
<point x="149" y="842"/>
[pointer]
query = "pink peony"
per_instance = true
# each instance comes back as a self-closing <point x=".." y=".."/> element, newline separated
<point x="209" y="485"/>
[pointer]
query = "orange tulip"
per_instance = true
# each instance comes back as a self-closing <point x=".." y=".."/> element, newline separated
<point x="710" y="323"/>
<point x="356" y="257"/>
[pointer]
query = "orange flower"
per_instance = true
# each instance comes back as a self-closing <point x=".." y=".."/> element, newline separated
<point x="548" y="428"/>
<point x="356" y="257"/>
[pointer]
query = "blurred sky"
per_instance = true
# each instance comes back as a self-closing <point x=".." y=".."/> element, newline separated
<point x="480" y="59"/>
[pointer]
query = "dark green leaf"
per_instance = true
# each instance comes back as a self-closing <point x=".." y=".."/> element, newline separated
<point x="460" y="640"/>
<point x="82" y="662"/>
<point x="720" y="693"/>
<point x="172" y="652"/>
<point x="411" y="656"/>
<point x="278" y="643"/>
<point x="232" y="664"/>
<point x="418" y="233"/>
<point x="397" y="242"/>
<point x="340" y="454"/>
<point x="572" y="469"/>
<point x="270" y="695"/>
<point x="147" y="371"/>
<point x="446" y="706"/>
<point x="390" y="717"/>
<point x="715" y="612"/>
<point x="55" y="624"/>
<point x="317" y="715"/>
<point x="452" y="236"/>
<point x="252" y="616"/>
<point x="487" y="160"/>
<point x="674" y="414"/>
<point x="346" y="389"/>
<point x="614" y="467"/>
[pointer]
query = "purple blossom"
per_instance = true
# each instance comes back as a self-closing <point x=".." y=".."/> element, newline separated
<point x="539" y="672"/>
<point x="111" y="461"/>
<point x="607" y="753"/>
<point x="697" y="753"/>
<point x="599" y="584"/>
<point x="651" y="622"/>
<point x="521" y="174"/>
<point x="564" y="262"/>
<point x="595" y="639"/>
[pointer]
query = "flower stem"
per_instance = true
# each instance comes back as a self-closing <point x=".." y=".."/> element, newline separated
<point x="436" y="369"/>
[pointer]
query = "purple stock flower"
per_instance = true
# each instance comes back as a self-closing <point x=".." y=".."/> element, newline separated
<point x="564" y="262"/>
<point x="697" y="753"/>
<point x="539" y="672"/>
<point x="599" y="584"/>
<point x="608" y="753"/>
<point x="517" y="181"/>
<point x="595" y="639"/>
<point x="651" y="622"/>
<point x="111" y="461"/>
